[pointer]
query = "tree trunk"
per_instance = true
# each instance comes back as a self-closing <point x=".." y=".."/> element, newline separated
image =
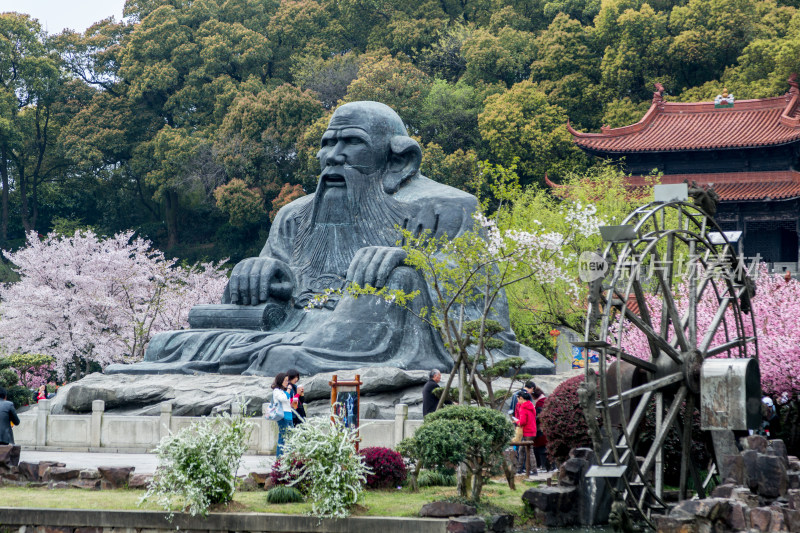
<point x="76" y="360"/>
<point x="4" y="201"/>
<point x="462" y="480"/>
<point x="172" y="218"/>
<point x="23" y="195"/>
<point x="477" y="485"/>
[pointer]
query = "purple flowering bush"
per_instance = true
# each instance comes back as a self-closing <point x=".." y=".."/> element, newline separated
<point x="387" y="467"/>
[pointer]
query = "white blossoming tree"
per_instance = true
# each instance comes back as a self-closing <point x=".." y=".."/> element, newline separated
<point x="85" y="298"/>
<point x="573" y="210"/>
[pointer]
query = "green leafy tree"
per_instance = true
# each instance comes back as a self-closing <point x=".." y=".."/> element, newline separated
<point x="28" y="363"/>
<point x="473" y="436"/>
<point x="503" y="56"/>
<point x="567" y="68"/>
<point x="639" y="55"/>
<point x="521" y="121"/>
<point x="450" y="116"/>
<point x="243" y="205"/>
<point x="579" y="206"/>
<point x="398" y="84"/>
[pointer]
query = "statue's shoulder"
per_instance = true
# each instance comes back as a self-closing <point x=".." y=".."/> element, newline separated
<point x="294" y="208"/>
<point x="421" y="190"/>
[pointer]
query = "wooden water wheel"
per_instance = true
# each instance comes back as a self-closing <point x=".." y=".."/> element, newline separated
<point x="674" y="282"/>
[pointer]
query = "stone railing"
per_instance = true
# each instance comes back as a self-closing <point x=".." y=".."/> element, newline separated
<point x="100" y="431"/>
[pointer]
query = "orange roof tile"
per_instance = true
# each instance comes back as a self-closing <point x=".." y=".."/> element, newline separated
<point x="671" y="126"/>
<point x="739" y="186"/>
<point x="730" y="186"/>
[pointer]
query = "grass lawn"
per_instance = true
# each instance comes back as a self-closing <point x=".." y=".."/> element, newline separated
<point x="376" y="503"/>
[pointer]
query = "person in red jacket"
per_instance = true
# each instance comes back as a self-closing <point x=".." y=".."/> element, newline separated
<point x="526" y="419"/>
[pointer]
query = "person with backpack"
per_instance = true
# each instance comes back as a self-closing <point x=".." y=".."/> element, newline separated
<point x="280" y="396"/>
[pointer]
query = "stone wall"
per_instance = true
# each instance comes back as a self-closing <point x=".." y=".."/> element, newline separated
<point x="99" y="431"/>
<point x="105" y="521"/>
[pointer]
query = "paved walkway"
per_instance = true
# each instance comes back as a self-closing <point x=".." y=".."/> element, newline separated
<point x="145" y="463"/>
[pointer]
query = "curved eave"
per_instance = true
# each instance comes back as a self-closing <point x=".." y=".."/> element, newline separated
<point x="606" y="151"/>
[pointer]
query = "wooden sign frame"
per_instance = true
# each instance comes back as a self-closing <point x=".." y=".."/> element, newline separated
<point x="336" y="385"/>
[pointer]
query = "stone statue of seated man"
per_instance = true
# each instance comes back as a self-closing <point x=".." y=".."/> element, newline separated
<point x="346" y="231"/>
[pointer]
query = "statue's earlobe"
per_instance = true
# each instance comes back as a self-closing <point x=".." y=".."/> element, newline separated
<point x="405" y="157"/>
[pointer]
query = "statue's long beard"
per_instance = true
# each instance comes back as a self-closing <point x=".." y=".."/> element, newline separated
<point x="339" y="222"/>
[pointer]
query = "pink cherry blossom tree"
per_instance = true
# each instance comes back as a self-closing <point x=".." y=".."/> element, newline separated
<point x="776" y="308"/>
<point x="100" y="299"/>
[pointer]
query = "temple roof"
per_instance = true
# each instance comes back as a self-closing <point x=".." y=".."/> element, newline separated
<point x="731" y="186"/>
<point x="668" y="126"/>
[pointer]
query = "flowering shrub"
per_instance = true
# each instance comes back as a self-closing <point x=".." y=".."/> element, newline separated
<point x="197" y="466"/>
<point x="287" y="476"/>
<point x="323" y="452"/>
<point x="563" y="422"/>
<point x="388" y="467"/>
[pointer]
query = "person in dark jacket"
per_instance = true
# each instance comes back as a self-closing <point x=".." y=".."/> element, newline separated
<point x="529" y="386"/>
<point x="429" y="399"/>
<point x="540" y="442"/>
<point x="8" y="416"/>
<point x="299" y="393"/>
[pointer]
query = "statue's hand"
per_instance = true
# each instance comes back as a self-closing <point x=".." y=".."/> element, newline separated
<point x="256" y="279"/>
<point x="373" y="264"/>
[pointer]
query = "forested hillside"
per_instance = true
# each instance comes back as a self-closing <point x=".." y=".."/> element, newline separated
<point x="193" y="121"/>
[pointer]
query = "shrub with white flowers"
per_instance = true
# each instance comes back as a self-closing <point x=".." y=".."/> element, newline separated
<point x="197" y="466"/>
<point x="330" y="466"/>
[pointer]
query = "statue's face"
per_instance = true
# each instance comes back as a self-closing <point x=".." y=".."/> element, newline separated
<point x="350" y="141"/>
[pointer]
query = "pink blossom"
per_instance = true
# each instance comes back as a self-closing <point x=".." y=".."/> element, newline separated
<point x="98" y="298"/>
<point x="776" y="309"/>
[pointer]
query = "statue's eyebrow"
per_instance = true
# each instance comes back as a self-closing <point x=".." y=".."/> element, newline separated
<point x="355" y="132"/>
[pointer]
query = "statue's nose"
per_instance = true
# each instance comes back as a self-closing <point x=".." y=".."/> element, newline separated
<point x="337" y="157"/>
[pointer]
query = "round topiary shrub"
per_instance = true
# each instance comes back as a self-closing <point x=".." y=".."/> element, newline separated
<point x="387" y="466"/>
<point x="563" y="422"/>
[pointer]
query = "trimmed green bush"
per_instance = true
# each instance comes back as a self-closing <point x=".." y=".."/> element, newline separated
<point x="284" y="494"/>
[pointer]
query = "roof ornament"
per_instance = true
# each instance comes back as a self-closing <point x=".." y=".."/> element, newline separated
<point x="794" y="86"/>
<point x="723" y="100"/>
<point x="658" y="96"/>
<point x="706" y="198"/>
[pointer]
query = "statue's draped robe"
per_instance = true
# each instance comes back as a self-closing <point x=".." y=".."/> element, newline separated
<point x="346" y="334"/>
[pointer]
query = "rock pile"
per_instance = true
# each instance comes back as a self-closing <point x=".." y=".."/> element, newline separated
<point x="57" y="476"/>
<point x="576" y="500"/>
<point x="761" y="491"/>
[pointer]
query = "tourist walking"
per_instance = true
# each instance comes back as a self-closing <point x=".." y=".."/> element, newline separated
<point x="298" y="397"/>
<point x="280" y="395"/>
<point x="8" y="416"/>
<point x="540" y="442"/>
<point x="526" y="419"/>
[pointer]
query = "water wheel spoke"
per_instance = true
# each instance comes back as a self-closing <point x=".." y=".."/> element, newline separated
<point x="632" y="359"/>
<point x="644" y="312"/>
<point x="715" y="323"/>
<point x="724" y="347"/>
<point x="659" y="341"/>
<point x="653" y="385"/>
<point x="672" y="311"/>
<point x="669" y="419"/>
